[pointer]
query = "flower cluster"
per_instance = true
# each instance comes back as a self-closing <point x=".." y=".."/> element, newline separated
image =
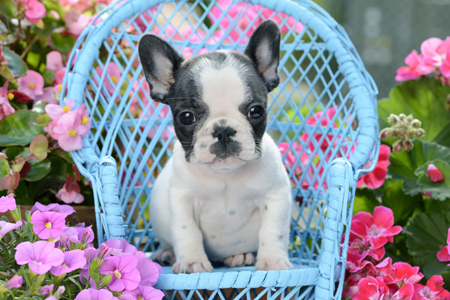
<point x="370" y="276"/>
<point x="404" y="127"/>
<point x="54" y="256"/>
<point x="376" y="178"/>
<point x="435" y="57"/>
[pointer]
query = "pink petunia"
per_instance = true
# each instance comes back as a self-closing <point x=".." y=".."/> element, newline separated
<point x="93" y="294"/>
<point x="55" y="112"/>
<point x="14" y="283"/>
<point x="73" y="260"/>
<point x="148" y="270"/>
<point x="377" y="229"/>
<point x="46" y="289"/>
<point x="5" y="107"/>
<point x="54" y="61"/>
<point x="32" y="84"/>
<point x="435" y="174"/>
<point x="48" y="224"/>
<point x="75" y="234"/>
<point x="124" y="272"/>
<point x="40" y="256"/>
<point x="415" y="68"/>
<point x="69" y="131"/>
<point x="6" y="227"/>
<point x="70" y="192"/>
<point x="120" y="247"/>
<point x="34" y="11"/>
<point x="145" y="293"/>
<point x="7" y="203"/>
<point x="376" y="178"/>
<point x="59" y="208"/>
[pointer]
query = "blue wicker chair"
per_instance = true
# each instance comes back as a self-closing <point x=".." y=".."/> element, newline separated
<point x="323" y="115"/>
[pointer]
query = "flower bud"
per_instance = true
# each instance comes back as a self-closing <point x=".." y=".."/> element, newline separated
<point x="416" y="123"/>
<point x="14" y="283"/>
<point x="409" y="118"/>
<point x="393" y="119"/>
<point x="435" y="174"/>
<point x="420" y="132"/>
<point x="402" y="117"/>
<point x="104" y="251"/>
<point x="63" y="241"/>
<point x="46" y="289"/>
<point x="87" y="233"/>
<point x="397" y="145"/>
<point x="408" y="145"/>
<point x="59" y="291"/>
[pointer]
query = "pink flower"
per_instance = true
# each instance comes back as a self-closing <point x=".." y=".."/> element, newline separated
<point x="55" y="112"/>
<point x="434" y="174"/>
<point x="5" y="107"/>
<point x="376" y="178"/>
<point x="124" y="272"/>
<point x="14" y="283"/>
<point x="120" y="247"/>
<point x="145" y="293"/>
<point x="46" y="289"/>
<point x="6" y="227"/>
<point x="73" y="260"/>
<point x="75" y="234"/>
<point x="7" y="203"/>
<point x="93" y="294"/>
<point x="434" y="51"/>
<point x="69" y="131"/>
<point x="64" y="209"/>
<point x="323" y="119"/>
<point x="54" y="61"/>
<point x="40" y="256"/>
<point x="379" y="229"/>
<point x="70" y="192"/>
<point x="34" y="11"/>
<point x="444" y="254"/>
<point x="403" y="273"/>
<point x="47" y="96"/>
<point x="148" y="270"/>
<point x="32" y="84"/>
<point x="416" y="68"/>
<point x="113" y="75"/>
<point x="445" y="67"/>
<point x="371" y="288"/>
<point x="433" y="290"/>
<point x="77" y="23"/>
<point x="48" y="224"/>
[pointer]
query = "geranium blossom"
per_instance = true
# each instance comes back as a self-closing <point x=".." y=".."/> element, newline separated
<point x="48" y="224"/>
<point x="6" y="227"/>
<point x="376" y="178"/>
<point x="40" y="256"/>
<point x="415" y="68"/>
<point x="73" y="260"/>
<point x="7" y="203"/>
<point x="432" y="290"/>
<point x="403" y="273"/>
<point x="444" y="254"/>
<point x="435" y="174"/>
<point x="125" y="275"/>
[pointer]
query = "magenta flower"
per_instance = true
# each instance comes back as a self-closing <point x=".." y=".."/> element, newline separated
<point x="120" y="247"/>
<point x="377" y="229"/>
<point x="51" y="298"/>
<point x="445" y="67"/>
<point x="6" y="227"/>
<point x="73" y="260"/>
<point x="371" y="288"/>
<point x="32" y="84"/>
<point x="70" y="192"/>
<point x="55" y="112"/>
<point x="59" y="208"/>
<point x="90" y="254"/>
<point x="5" y="107"/>
<point x="76" y="27"/>
<point x="434" y="51"/>
<point x="376" y="178"/>
<point x="416" y="68"/>
<point x="7" y="203"/>
<point x="104" y="251"/>
<point x="34" y="11"/>
<point x="444" y="254"/>
<point x="46" y="289"/>
<point x="125" y="276"/>
<point x="435" y="174"/>
<point x="93" y="294"/>
<point x="148" y="270"/>
<point x="76" y="234"/>
<point x="113" y="75"/>
<point x="432" y="290"/>
<point x="403" y="273"/>
<point x="145" y="293"/>
<point x="48" y="224"/>
<point x="14" y="283"/>
<point x="54" y="61"/>
<point x="47" y="96"/>
<point x="69" y="131"/>
<point x="40" y="256"/>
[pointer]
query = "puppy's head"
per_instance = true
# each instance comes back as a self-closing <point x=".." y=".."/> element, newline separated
<point x="218" y="99"/>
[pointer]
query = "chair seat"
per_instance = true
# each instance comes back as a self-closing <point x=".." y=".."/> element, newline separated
<point x="240" y="277"/>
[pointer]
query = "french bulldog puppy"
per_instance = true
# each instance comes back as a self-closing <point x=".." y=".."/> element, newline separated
<point x="224" y="194"/>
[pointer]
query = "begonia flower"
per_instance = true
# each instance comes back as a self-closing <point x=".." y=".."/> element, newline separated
<point x="54" y="61"/>
<point x="69" y="131"/>
<point x="48" y="224"/>
<point x="32" y="84"/>
<point x="70" y="192"/>
<point x="40" y="256"/>
<point x="73" y="260"/>
<point x="7" y="203"/>
<point x="113" y="75"/>
<point x="125" y="275"/>
<point x="55" y="112"/>
<point x="34" y="11"/>
<point x="376" y="178"/>
<point x="5" y="107"/>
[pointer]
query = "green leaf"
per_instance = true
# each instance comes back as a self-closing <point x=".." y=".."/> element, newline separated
<point x="446" y="276"/>
<point x="42" y="120"/>
<point x="50" y="24"/>
<point x="4" y="167"/>
<point x="38" y="170"/>
<point x="404" y="164"/>
<point x="62" y="42"/>
<point x="402" y="205"/>
<point x="16" y="65"/>
<point x="365" y="200"/>
<point x="438" y="190"/>
<point x="17" y="129"/>
<point x="6" y="73"/>
<point x="12" y="152"/>
<point x="54" y="5"/>
<point x="424" y="99"/>
<point x="39" y="147"/>
<point x="426" y="235"/>
<point x="21" y="194"/>
<point x="8" y="8"/>
<point x="39" y="107"/>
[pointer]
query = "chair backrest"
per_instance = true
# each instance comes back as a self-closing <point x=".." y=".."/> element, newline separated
<point x="322" y="109"/>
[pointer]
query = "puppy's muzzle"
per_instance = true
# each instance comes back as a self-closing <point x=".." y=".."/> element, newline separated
<point x="225" y="146"/>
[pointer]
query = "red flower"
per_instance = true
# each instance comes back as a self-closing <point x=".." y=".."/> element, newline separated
<point x="371" y="288"/>
<point x="444" y="254"/>
<point x="433" y="290"/>
<point x="376" y="178"/>
<point x="434" y="174"/>
<point x="403" y="273"/>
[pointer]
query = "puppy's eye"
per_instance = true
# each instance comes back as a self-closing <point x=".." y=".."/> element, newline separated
<point x="256" y="112"/>
<point x="187" y="118"/>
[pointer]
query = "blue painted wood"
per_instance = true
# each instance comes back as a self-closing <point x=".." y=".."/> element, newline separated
<point x="323" y="114"/>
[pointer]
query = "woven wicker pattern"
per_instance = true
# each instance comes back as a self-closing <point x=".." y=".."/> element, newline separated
<point x="322" y="115"/>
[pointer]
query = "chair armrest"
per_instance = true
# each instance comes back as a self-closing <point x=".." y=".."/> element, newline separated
<point x="342" y="184"/>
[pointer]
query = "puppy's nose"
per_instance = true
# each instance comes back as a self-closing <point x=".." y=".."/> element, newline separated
<point x="224" y="134"/>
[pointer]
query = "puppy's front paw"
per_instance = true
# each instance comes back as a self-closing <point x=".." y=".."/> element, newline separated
<point x="194" y="265"/>
<point x="274" y="263"/>
<point x="239" y="260"/>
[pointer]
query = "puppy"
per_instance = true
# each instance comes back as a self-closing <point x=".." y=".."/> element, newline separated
<point x="224" y="194"/>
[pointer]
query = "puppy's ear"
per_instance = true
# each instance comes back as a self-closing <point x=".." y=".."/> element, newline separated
<point x="160" y="62"/>
<point x="264" y="50"/>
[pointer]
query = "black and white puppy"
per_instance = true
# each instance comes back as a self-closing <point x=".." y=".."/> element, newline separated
<point x="225" y="193"/>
